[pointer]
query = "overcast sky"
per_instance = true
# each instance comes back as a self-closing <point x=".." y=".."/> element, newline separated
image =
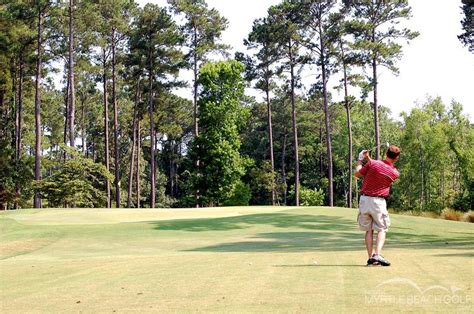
<point x="434" y="64"/>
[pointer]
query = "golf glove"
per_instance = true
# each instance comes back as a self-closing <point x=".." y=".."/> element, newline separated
<point x="361" y="155"/>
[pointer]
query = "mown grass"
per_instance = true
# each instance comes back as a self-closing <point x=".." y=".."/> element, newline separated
<point x="240" y="259"/>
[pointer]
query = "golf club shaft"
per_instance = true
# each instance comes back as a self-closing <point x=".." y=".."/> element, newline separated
<point x="388" y="145"/>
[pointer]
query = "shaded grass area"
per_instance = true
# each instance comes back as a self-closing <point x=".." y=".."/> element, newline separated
<point x="279" y="220"/>
<point x="324" y="232"/>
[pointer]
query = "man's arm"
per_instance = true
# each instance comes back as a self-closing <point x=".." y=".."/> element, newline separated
<point x="363" y="155"/>
<point x="357" y="169"/>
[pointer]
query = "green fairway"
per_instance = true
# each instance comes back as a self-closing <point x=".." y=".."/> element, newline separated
<point x="238" y="259"/>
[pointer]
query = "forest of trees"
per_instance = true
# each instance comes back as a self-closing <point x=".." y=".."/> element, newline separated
<point x="90" y="117"/>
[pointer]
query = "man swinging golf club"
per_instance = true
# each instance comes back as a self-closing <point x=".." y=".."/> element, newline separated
<point x="373" y="215"/>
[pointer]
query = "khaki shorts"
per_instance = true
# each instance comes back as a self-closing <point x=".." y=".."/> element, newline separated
<point x="373" y="214"/>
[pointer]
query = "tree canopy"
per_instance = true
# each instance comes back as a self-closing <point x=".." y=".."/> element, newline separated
<point x="92" y="109"/>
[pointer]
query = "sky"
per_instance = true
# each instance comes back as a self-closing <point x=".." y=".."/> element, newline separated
<point x="433" y="64"/>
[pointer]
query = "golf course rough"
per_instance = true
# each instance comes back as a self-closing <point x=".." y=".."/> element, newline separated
<point x="234" y="259"/>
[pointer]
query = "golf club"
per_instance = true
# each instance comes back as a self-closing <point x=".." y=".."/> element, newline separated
<point x="388" y="145"/>
<point x="371" y="149"/>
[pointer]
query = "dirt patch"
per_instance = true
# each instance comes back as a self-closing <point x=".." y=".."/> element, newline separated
<point x="20" y="247"/>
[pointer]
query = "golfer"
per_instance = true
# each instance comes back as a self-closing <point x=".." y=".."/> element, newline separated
<point x="373" y="215"/>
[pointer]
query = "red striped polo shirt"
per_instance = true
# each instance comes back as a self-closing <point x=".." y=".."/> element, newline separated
<point x="378" y="177"/>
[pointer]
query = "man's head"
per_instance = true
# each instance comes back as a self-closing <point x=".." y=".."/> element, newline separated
<point x="393" y="152"/>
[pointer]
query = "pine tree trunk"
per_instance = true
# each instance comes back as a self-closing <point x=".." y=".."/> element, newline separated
<point x="19" y="123"/>
<point x="3" y="115"/>
<point x="295" y="131"/>
<point x="116" y="125"/>
<point x="176" y="168"/>
<point x="37" y="198"/>
<point x="152" y="142"/>
<point x="4" y="118"/>
<point x="132" y="165"/>
<point x="195" y="91"/>
<point x="321" y="159"/>
<point x="14" y="136"/>
<point x="19" y="110"/>
<point x="138" y="163"/>
<point x="72" y="92"/>
<point x="14" y="65"/>
<point x="195" y="83"/>
<point x="350" y="157"/>
<point x="283" y="166"/>
<point x="132" y="155"/>
<point x="376" y="107"/>
<point x="83" y="127"/>
<point x="326" y="121"/>
<point x="270" y="137"/>
<point x="106" y="124"/>
<point x="66" y="117"/>
<point x="349" y="129"/>
<point x="171" y="178"/>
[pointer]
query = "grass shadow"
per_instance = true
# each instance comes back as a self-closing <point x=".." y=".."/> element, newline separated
<point x="312" y="232"/>
<point x="318" y="265"/>
<point x="463" y="254"/>
<point x="279" y="220"/>
<point x="332" y="241"/>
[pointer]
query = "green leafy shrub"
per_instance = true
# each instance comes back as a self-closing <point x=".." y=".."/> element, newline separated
<point x="261" y="180"/>
<point x="79" y="182"/>
<point x="241" y="195"/>
<point x="309" y="197"/>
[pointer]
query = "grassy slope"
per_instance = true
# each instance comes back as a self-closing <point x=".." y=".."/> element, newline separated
<point x="250" y="259"/>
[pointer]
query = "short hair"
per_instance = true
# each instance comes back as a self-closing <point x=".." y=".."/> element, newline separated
<point x="393" y="152"/>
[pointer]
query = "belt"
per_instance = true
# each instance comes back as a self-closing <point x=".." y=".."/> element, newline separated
<point x="384" y="197"/>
